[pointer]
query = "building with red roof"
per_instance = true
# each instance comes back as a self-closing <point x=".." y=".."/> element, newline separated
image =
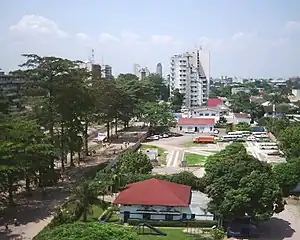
<point x="189" y="125"/>
<point x="214" y="102"/>
<point x="155" y="199"/>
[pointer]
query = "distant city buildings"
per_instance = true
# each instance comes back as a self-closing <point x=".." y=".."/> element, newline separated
<point x="10" y="89"/>
<point x="190" y="73"/>
<point x="159" y="69"/>
<point x="98" y="71"/>
<point x="140" y="72"/>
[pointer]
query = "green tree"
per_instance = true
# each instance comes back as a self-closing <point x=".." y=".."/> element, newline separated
<point x="84" y="196"/>
<point x="176" y="100"/>
<point x="93" y="230"/>
<point x="287" y="175"/>
<point x="133" y="163"/>
<point x="157" y="114"/>
<point x="239" y="184"/>
<point x="289" y="140"/>
<point x="242" y="126"/>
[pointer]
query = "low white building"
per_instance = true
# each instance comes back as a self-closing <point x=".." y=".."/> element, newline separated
<point x="241" y="118"/>
<point x="155" y="199"/>
<point x="197" y="124"/>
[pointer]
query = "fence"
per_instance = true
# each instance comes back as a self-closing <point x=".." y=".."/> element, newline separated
<point x="133" y="148"/>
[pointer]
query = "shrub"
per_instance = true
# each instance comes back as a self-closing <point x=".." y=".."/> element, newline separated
<point x="191" y="223"/>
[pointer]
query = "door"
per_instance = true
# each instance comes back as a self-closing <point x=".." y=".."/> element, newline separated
<point x="126" y="216"/>
<point x="146" y="216"/>
<point x="169" y="217"/>
<point x="196" y="129"/>
<point x="183" y="216"/>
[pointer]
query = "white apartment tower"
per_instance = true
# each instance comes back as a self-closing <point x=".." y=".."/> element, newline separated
<point x="190" y="73"/>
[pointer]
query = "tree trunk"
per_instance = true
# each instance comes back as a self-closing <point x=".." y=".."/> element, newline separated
<point x="108" y="129"/>
<point x="62" y="147"/>
<point x="85" y="135"/>
<point x="116" y="126"/>
<point x="84" y="216"/>
<point x="51" y="123"/>
<point x="10" y="191"/>
<point x="72" y="158"/>
<point x="27" y="185"/>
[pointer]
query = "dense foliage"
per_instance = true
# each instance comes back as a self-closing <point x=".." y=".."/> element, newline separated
<point x="239" y="184"/>
<point x="62" y="100"/>
<point x="88" y="231"/>
<point x="288" y="175"/>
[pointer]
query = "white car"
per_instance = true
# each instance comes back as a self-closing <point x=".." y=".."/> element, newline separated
<point x="154" y="137"/>
<point x="251" y="138"/>
<point x="165" y="135"/>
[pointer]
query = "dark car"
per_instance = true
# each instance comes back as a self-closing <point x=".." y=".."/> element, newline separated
<point x="242" y="229"/>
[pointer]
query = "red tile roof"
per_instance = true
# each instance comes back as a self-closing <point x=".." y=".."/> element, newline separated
<point x="241" y="115"/>
<point x="213" y="102"/>
<point x="155" y="192"/>
<point x="196" y="121"/>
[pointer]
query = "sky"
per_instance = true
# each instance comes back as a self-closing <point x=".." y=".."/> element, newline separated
<point x="246" y="38"/>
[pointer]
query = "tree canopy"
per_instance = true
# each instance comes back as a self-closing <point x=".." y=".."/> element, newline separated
<point x="133" y="163"/>
<point x="85" y="231"/>
<point x="239" y="184"/>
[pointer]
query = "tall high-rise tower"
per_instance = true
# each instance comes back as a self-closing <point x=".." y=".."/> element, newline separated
<point x="159" y="69"/>
<point x="190" y="73"/>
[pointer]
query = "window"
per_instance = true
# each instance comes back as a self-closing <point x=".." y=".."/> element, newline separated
<point x="213" y="114"/>
<point x="206" y="114"/>
<point x="200" y="114"/>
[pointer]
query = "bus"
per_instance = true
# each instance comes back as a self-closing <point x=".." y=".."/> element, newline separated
<point x="240" y="133"/>
<point x="228" y="138"/>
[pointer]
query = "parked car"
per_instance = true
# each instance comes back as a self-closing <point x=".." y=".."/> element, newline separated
<point x="154" y="137"/>
<point x="165" y="135"/>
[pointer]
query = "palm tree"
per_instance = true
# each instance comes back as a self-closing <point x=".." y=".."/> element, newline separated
<point x="85" y="195"/>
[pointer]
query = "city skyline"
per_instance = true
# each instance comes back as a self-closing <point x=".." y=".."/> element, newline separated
<point x="257" y="39"/>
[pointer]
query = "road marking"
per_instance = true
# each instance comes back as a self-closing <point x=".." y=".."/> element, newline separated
<point x="175" y="162"/>
<point x="170" y="158"/>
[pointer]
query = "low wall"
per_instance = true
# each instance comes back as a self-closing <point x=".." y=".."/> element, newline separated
<point x="133" y="148"/>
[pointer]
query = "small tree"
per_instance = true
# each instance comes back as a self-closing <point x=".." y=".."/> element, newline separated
<point x="133" y="163"/>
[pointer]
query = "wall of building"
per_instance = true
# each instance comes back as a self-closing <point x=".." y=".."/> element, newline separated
<point x="242" y="120"/>
<point x="206" y="114"/>
<point x="200" y="128"/>
<point x="158" y="213"/>
<point x="190" y="73"/>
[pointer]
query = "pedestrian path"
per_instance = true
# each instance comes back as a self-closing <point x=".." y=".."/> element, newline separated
<point x="174" y="158"/>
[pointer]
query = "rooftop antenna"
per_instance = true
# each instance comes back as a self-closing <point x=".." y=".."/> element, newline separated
<point x="93" y="56"/>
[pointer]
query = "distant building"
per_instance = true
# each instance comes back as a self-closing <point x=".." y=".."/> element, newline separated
<point x="159" y="69"/>
<point x="107" y="72"/>
<point x="140" y="72"/>
<point x="10" y="89"/>
<point x="236" y="90"/>
<point x="190" y="73"/>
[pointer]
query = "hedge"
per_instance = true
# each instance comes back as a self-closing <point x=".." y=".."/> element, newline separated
<point x="190" y="223"/>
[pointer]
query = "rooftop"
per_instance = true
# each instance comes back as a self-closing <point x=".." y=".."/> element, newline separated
<point x="155" y="192"/>
<point x="196" y="121"/>
<point x="213" y="102"/>
<point x="241" y="115"/>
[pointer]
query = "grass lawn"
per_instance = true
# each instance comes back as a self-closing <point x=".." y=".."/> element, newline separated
<point x="193" y="159"/>
<point x="176" y="234"/>
<point x="191" y="144"/>
<point x="161" y="152"/>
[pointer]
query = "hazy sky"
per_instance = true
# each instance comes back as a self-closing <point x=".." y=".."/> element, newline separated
<point x="258" y="38"/>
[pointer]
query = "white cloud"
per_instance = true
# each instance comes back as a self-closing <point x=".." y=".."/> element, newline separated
<point x="83" y="37"/>
<point x="106" y="37"/>
<point x="161" y="39"/>
<point x="130" y="37"/>
<point x="292" y="26"/>
<point x="29" y="24"/>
